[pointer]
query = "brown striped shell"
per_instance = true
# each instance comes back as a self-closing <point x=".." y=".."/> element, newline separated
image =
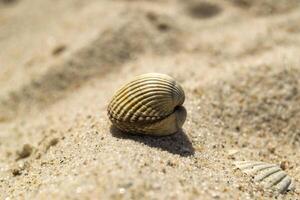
<point x="149" y="104"/>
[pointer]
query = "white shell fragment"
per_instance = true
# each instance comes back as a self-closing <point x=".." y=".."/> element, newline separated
<point x="270" y="176"/>
<point x="149" y="104"/>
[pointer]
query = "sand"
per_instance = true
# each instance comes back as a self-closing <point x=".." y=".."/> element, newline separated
<point x="61" y="62"/>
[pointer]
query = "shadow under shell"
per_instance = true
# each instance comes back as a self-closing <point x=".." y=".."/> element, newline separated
<point x="177" y="143"/>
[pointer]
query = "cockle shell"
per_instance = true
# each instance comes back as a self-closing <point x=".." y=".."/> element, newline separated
<point x="270" y="176"/>
<point x="149" y="104"/>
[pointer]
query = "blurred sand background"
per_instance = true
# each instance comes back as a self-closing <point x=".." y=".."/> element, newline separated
<point x="61" y="62"/>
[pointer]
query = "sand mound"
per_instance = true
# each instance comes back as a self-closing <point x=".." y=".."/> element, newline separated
<point x="267" y="7"/>
<point x="7" y="2"/>
<point x="264" y="98"/>
<point x="139" y="31"/>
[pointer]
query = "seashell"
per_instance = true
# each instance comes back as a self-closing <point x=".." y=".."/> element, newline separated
<point x="270" y="176"/>
<point x="149" y="104"/>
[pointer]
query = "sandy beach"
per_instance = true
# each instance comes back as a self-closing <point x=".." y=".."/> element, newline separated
<point x="62" y="61"/>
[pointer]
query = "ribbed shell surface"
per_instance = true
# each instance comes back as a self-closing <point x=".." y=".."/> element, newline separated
<point x="271" y="176"/>
<point x="145" y="100"/>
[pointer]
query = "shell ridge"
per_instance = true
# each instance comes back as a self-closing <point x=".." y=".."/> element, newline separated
<point x="131" y="111"/>
<point x="275" y="178"/>
<point x="133" y="95"/>
<point x="249" y="165"/>
<point x="258" y="168"/>
<point x="266" y="173"/>
<point x="136" y="105"/>
<point x="152" y="108"/>
<point x="160" y="91"/>
<point x="136" y="98"/>
<point x="137" y="83"/>
<point x="284" y="184"/>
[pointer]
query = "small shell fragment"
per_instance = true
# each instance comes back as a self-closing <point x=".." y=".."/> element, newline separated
<point x="149" y="104"/>
<point x="270" y="176"/>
